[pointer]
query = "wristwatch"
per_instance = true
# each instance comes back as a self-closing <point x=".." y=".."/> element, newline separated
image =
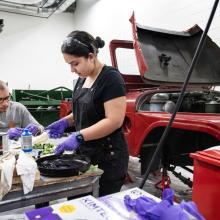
<point x="79" y="137"/>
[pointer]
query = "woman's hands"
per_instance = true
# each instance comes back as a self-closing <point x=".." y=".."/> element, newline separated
<point x="57" y="128"/>
<point x="34" y="129"/>
<point x="70" y="144"/>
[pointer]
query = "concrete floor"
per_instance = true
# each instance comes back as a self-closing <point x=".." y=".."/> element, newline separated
<point x="182" y="191"/>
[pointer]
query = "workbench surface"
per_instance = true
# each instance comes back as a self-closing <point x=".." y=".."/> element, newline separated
<point x="52" y="188"/>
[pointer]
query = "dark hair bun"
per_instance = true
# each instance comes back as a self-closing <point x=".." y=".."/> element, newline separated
<point x="99" y="42"/>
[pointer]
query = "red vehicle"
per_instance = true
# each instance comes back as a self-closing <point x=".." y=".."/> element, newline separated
<point x="163" y="58"/>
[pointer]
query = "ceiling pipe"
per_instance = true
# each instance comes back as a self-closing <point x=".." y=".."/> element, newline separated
<point x="41" y="8"/>
<point x="1" y="25"/>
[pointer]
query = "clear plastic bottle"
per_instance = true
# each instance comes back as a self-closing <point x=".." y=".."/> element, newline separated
<point x="26" y="141"/>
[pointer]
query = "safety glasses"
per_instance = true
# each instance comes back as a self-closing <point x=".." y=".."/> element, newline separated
<point x="7" y="98"/>
<point x="73" y="42"/>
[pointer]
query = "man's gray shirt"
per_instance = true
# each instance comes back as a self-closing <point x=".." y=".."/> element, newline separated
<point x="16" y="115"/>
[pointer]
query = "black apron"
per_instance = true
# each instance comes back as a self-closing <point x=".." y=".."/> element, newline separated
<point x="110" y="152"/>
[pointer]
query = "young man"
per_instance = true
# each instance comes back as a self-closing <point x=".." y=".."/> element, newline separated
<point x="14" y="116"/>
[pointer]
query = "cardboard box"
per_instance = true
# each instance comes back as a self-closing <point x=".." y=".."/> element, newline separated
<point x="84" y="208"/>
<point x="115" y="202"/>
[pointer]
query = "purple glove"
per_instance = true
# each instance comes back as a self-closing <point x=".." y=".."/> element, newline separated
<point x="183" y="211"/>
<point x="14" y="133"/>
<point x="70" y="144"/>
<point x="168" y="194"/>
<point x="149" y="209"/>
<point x="42" y="214"/>
<point x="146" y="207"/>
<point x="56" y="129"/>
<point x="192" y="209"/>
<point x="173" y="212"/>
<point x="34" y="129"/>
<point x="140" y="205"/>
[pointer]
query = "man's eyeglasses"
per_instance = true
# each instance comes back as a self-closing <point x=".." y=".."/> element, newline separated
<point x="7" y="98"/>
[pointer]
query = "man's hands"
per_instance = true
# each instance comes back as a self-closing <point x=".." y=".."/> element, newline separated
<point x="14" y="133"/>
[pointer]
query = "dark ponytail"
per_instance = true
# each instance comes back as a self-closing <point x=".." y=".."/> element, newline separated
<point x="99" y="42"/>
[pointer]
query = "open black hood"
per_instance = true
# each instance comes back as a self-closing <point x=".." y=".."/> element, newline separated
<point x="164" y="56"/>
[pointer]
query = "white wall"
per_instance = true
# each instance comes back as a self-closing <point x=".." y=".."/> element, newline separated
<point x="30" y="51"/>
<point x="30" y="47"/>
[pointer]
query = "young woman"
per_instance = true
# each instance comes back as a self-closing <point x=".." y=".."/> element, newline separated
<point x="99" y="105"/>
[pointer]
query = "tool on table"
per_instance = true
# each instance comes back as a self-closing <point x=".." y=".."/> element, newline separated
<point x="3" y="124"/>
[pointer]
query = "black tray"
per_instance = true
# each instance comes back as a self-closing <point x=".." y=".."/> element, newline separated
<point x="63" y="165"/>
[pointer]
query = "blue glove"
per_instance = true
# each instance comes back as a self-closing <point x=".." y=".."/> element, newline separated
<point x="70" y="144"/>
<point x="34" y="129"/>
<point x="56" y="129"/>
<point x="14" y="133"/>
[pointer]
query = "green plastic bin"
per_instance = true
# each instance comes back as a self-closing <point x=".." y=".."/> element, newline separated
<point x="44" y="105"/>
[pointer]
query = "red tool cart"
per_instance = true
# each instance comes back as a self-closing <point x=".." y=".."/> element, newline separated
<point x="206" y="183"/>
